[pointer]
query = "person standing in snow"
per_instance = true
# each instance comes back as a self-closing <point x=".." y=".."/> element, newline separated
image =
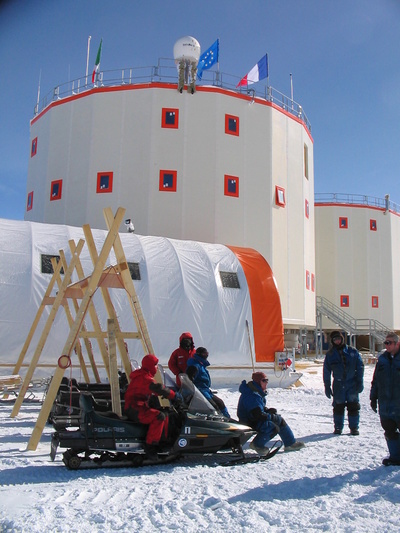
<point x="346" y="366"/>
<point x="138" y="396"/>
<point x="385" y="391"/>
<point x="252" y="411"/>
<point x="178" y="361"/>
<point x="199" y="375"/>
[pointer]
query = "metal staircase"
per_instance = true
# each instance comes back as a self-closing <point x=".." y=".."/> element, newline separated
<point x="352" y="326"/>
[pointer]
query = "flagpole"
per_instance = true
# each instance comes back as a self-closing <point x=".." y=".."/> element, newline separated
<point x="87" y="58"/>
<point x="38" y="94"/>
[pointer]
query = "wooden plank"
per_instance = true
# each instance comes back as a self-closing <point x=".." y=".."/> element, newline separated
<point x="104" y="335"/>
<point x="78" y="346"/>
<point x="65" y="305"/>
<point x="114" y="380"/>
<point x="108" y="304"/>
<point x="74" y="332"/>
<point x="95" y="323"/>
<point x="46" y="329"/>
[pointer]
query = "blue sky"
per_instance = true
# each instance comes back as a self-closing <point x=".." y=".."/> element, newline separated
<point x="344" y="56"/>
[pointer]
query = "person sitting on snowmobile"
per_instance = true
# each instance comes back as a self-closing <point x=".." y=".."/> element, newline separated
<point x="252" y="411"/>
<point x="198" y="373"/>
<point x="138" y="400"/>
<point x="178" y="361"/>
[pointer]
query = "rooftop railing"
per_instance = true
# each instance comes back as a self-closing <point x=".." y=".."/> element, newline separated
<point x="356" y="199"/>
<point x="165" y="72"/>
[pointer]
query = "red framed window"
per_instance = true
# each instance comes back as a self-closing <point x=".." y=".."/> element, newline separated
<point x="104" y="182"/>
<point x="313" y="282"/>
<point x="375" y="301"/>
<point x="34" y="147"/>
<point x="343" y="222"/>
<point x="170" y="118"/>
<point x="29" y="202"/>
<point x="372" y="225"/>
<point x="307" y="209"/>
<point x="232" y="125"/>
<point x="308" y="279"/>
<point x="168" y="179"/>
<point x="55" y="190"/>
<point x="231" y="185"/>
<point x="280" y="197"/>
<point x="344" y="300"/>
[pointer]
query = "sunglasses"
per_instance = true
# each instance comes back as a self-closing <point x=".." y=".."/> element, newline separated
<point x="387" y="343"/>
<point x="264" y="380"/>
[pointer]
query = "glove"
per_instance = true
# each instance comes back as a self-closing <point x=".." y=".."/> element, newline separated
<point x="271" y="411"/>
<point x="276" y="419"/>
<point x="360" y="388"/>
<point x="374" y="405"/>
<point x="328" y="391"/>
<point x="178" y="400"/>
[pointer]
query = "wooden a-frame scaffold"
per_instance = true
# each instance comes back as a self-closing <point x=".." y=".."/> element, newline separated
<point x="116" y="276"/>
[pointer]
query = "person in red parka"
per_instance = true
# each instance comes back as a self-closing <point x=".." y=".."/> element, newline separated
<point x="178" y="361"/>
<point x="142" y="387"/>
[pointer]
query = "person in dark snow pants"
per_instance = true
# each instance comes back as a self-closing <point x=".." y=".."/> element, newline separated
<point x="385" y="391"/>
<point x="252" y="411"/>
<point x="344" y="363"/>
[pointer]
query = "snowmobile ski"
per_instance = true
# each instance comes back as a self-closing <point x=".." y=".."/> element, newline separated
<point x="245" y="459"/>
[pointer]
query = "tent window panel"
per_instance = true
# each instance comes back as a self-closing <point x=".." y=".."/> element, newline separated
<point x="45" y="264"/>
<point x="230" y="280"/>
<point x="134" y="270"/>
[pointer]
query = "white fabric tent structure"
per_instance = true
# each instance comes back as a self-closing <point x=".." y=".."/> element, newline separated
<point x="180" y="289"/>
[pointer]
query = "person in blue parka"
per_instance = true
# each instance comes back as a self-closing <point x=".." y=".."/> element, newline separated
<point x="198" y="373"/>
<point x="346" y="366"/>
<point x="385" y="391"/>
<point x="252" y="411"/>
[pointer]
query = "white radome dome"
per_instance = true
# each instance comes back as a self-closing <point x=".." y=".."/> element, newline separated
<point x="187" y="49"/>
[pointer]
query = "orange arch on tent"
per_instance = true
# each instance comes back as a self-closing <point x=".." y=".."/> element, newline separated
<point x="265" y="304"/>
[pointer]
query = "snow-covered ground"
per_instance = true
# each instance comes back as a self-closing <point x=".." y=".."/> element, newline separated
<point x="336" y="483"/>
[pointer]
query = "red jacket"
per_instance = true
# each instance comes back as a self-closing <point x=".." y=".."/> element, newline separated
<point x="142" y="385"/>
<point x="178" y="361"/>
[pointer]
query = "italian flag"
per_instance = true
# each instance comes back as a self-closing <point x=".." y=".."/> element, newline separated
<point x="97" y="63"/>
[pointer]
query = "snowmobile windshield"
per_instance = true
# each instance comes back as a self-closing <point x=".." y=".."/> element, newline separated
<point x="196" y="402"/>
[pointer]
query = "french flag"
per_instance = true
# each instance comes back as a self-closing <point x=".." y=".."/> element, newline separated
<point x="257" y="73"/>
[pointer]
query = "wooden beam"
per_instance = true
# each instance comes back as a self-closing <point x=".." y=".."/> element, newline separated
<point x="95" y="322"/>
<point x="114" y="381"/>
<point x="108" y="304"/>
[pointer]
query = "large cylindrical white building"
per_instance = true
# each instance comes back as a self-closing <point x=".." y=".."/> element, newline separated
<point x="218" y="166"/>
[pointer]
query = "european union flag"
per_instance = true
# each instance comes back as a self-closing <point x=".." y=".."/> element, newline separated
<point x="208" y="58"/>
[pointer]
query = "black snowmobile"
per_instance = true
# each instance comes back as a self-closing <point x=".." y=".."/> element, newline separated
<point x="195" y="428"/>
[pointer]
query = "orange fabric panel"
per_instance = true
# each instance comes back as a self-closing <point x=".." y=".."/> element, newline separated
<point x="265" y="304"/>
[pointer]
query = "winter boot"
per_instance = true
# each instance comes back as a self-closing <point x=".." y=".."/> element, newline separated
<point x="354" y="421"/>
<point x="394" y="453"/>
<point x="225" y="412"/>
<point x="338" y="421"/>
<point x="298" y="445"/>
<point x="151" y="452"/>
<point x="286" y="434"/>
<point x="261" y="450"/>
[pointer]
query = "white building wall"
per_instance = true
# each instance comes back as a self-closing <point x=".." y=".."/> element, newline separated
<point x="119" y="130"/>
<point x="359" y="262"/>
